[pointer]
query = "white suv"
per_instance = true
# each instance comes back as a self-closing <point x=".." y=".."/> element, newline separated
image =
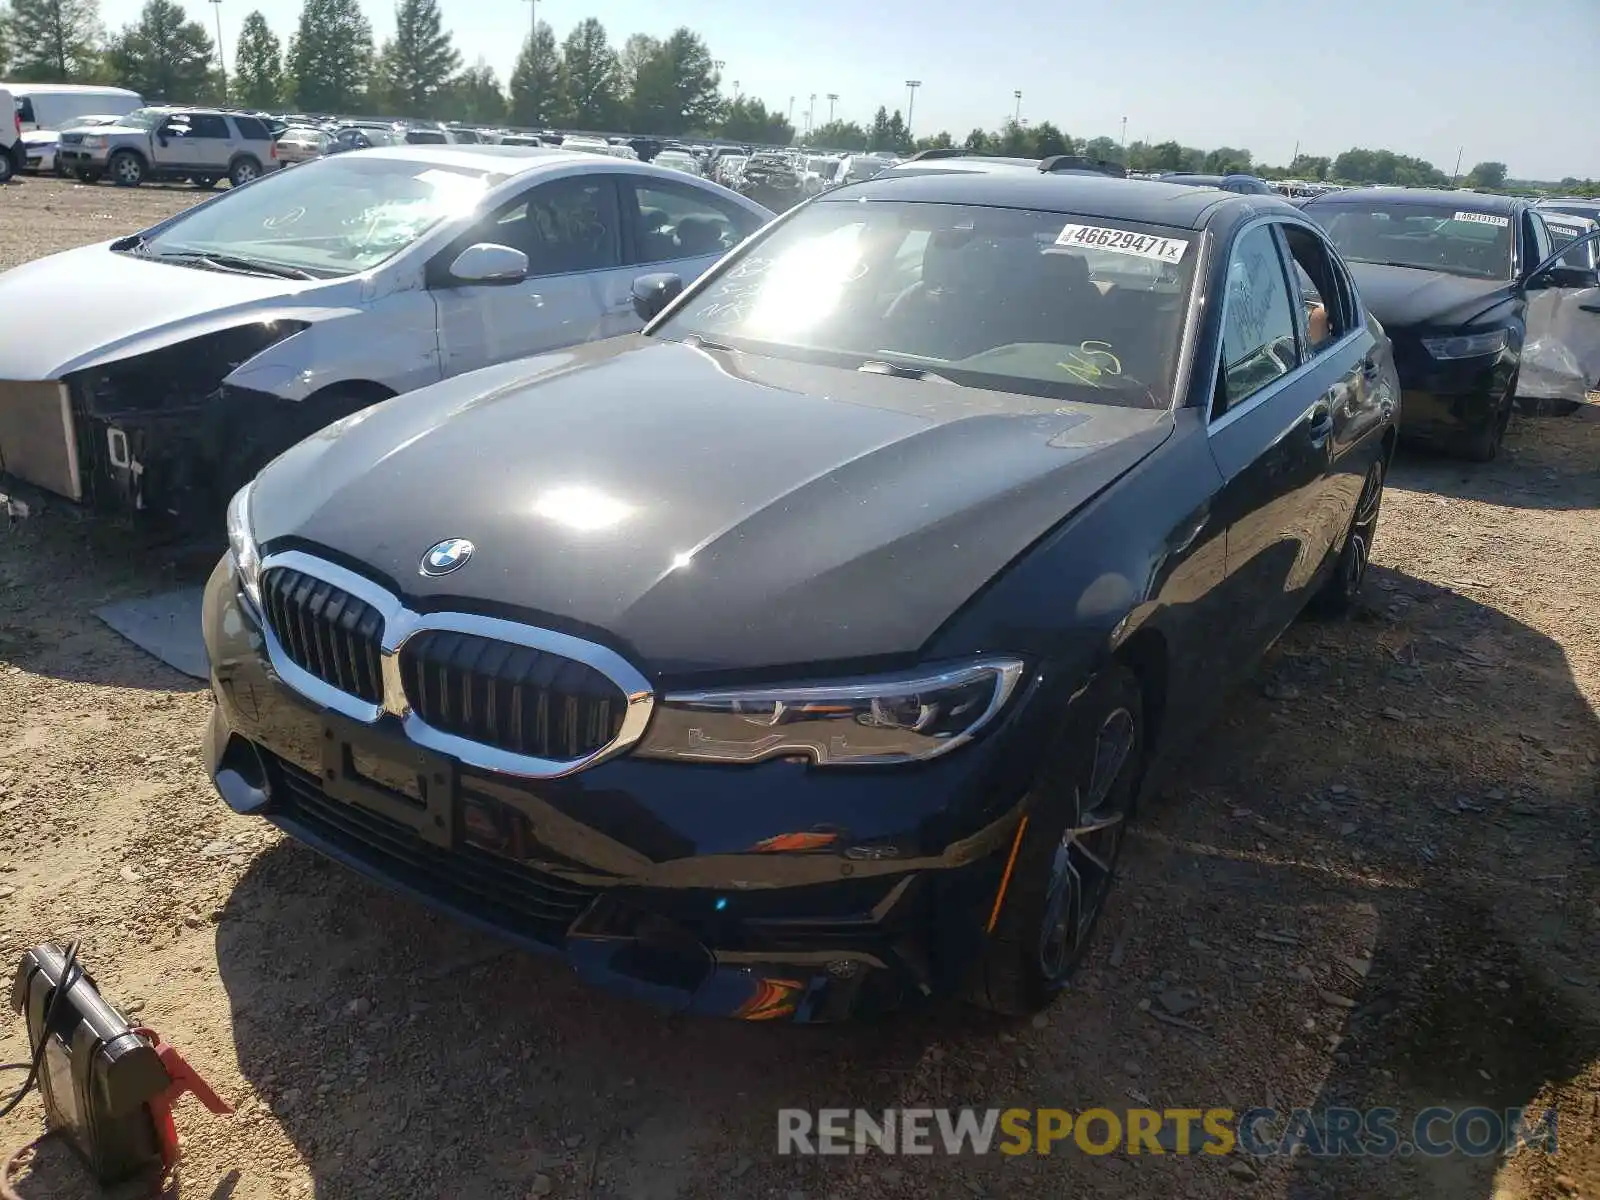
<point x="200" y="145"/>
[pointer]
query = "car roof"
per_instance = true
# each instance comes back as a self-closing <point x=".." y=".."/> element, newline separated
<point x="1478" y="202"/>
<point x="512" y="160"/>
<point x="1103" y="196"/>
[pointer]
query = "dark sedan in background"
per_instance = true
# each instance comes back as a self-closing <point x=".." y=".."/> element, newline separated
<point x="1448" y="274"/>
<point x="808" y="652"/>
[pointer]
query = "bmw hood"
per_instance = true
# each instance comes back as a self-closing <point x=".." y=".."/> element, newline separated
<point x="1402" y="297"/>
<point x="703" y="511"/>
<point x="93" y="305"/>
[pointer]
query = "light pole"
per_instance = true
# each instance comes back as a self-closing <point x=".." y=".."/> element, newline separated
<point x="1018" y="117"/>
<point x="790" y="117"/>
<point x="222" y="66"/>
<point x="1124" y="141"/>
<point x="533" y="27"/>
<point x="811" y="114"/>
<point x="736" y="89"/>
<point x="911" y="102"/>
<point x="833" y="98"/>
<point x="1454" y="179"/>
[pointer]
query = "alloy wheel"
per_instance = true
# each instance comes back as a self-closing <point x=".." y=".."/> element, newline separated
<point x="128" y="170"/>
<point x="1081" y="870"/>
<point x="243" y="173"/>
<point x="1362" y="529"/>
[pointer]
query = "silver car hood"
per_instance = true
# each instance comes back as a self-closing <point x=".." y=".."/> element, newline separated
<point x="92" y="305"/>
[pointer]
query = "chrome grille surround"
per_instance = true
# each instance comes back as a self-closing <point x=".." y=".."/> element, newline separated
<point x="400" y="624"/>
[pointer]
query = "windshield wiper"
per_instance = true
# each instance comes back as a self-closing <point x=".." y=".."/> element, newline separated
<point x="228" y="262"/>
<point x="877" y="366"/>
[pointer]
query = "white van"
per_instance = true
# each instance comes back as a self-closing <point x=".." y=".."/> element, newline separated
<point x="58" y="105"/>
<point x="11" y="154"/>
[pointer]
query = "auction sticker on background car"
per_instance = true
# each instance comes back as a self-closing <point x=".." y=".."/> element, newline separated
<point x="1123" y="242"/>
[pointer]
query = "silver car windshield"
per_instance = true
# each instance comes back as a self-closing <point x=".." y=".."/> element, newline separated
<point x="335" y="216"/>
<point x="1039" y="303"/>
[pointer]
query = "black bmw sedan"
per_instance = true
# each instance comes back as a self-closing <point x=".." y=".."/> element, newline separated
<point x="809" y="651"/>
<point x="1448" y="275"/>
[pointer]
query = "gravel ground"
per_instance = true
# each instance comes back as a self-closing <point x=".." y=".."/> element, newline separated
<point x="1375" y="882"/>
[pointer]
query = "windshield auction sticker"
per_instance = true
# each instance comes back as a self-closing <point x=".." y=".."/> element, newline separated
<point x="1483" y="218"/>
<point x="1120" y="241"/>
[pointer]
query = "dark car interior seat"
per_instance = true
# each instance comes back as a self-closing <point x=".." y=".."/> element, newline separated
<point x="699" y="236"/>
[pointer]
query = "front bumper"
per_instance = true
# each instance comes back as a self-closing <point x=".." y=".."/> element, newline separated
<point x="75" y="158"/>
<point x="649" y="878"/>
<point x="1450" y="401"/>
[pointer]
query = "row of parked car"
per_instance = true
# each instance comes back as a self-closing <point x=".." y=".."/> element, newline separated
<point x="776" y="618"/>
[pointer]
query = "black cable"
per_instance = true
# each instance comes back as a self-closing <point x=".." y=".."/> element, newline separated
<point x="62" y="988"/>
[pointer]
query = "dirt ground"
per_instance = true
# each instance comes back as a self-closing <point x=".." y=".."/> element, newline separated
<point x="1377" y="877"/>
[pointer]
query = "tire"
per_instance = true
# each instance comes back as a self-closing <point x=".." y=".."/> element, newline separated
<point x="1338" y="595"/>
<point x="1065" y="867"/>
<point x="243" y="171"/>
<point x="204" y="182"/>
<point x="126" y="169"/>
<point x="1484" y="446"/>
<point x="8" y="165"/>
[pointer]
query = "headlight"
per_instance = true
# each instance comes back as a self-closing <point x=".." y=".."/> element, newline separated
<point x="95" y="141"/>
<point x="1474" y="345"/>
<point x="892" y="719"/>
<point x="242" y="545"/>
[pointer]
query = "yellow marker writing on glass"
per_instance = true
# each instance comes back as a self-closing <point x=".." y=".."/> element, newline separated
<point x="1090" y="361"/>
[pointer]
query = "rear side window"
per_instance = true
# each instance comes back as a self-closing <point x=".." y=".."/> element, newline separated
<point x="684" y="221"/>
<point x="1258" y="326"/>
<point x="208" y="125"/>
<point x="1329" y="308"/>
<point x="253" y="129"/>
<point x="426" y="137"/>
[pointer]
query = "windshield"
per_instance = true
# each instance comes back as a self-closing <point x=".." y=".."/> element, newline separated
<point x="334" y="216"/>
<point x="1430" y="237"/>
<point x="865" y="168"/>
<point x="1009" y="299"/>
<point x="143" y="118"/>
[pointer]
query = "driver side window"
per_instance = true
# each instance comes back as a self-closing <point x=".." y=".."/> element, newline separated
<point x="1259" y="343"/>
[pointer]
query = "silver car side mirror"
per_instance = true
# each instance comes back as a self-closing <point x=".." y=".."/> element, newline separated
<point x="489" y="263"/>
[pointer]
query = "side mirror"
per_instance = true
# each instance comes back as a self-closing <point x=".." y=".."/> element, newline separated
<point x="1553" y="273"/>
<point x="652" y="293"/>
<point x="489" y="263"/>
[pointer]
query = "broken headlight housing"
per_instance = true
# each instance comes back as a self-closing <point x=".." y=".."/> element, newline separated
<point x="242" y="549"/>
<point x="889" y="719"/>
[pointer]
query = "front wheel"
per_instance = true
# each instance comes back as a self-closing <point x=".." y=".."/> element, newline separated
<point x="1484" y="446"/>
<point x="8" y="166"/>
<point x="127" y="169"/>
<point x="1338" y="596"/>
<point x="1066" y="861"/>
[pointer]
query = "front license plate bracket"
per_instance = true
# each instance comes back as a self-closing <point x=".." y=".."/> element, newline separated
<point x="430" y="812"/>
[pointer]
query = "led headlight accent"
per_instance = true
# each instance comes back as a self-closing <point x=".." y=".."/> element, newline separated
<point x="242" y="545"/>
<point x="1474" y="345"/>
<point x="890" y="719"/>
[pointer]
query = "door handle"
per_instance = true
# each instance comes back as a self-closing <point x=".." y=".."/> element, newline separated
<point x="1594" y="308"/>
<point x="1319" y="423"/>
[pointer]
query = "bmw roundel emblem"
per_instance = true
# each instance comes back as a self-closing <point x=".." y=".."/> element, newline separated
<point x="446" y="556"/>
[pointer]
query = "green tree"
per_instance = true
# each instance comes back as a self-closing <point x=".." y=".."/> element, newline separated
<point x="54" y="41"/>
<point x="939" y="141"/>
<point x="636" y="52"/>
<point x="5" y="40"/>
<point x="747" y="119"/>
<point x="1310" y="166"/>
<point x="164" y="55"/>
<point x="330" y="56"/>
<point x="476" y="96"/>
<point x="839" y="135"/>
<point x="1225" y="160"/>
<point x="258" y="65"/>
<point x="417" y="64"/>
<point x="1103" y="149"/>
<point x="978" y="141"/>
<point x="1048" y="140"/>
<point x="1012" y="141"/>
<point x="1163" y="156"/>
<point x="535" y="80"/>
<point x="591" y="78"/>
<point x="675" y="88"/>
<point x="1489" y="175"/>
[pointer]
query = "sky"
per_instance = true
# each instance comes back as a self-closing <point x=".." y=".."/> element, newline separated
<point x="1431" y="78"/>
